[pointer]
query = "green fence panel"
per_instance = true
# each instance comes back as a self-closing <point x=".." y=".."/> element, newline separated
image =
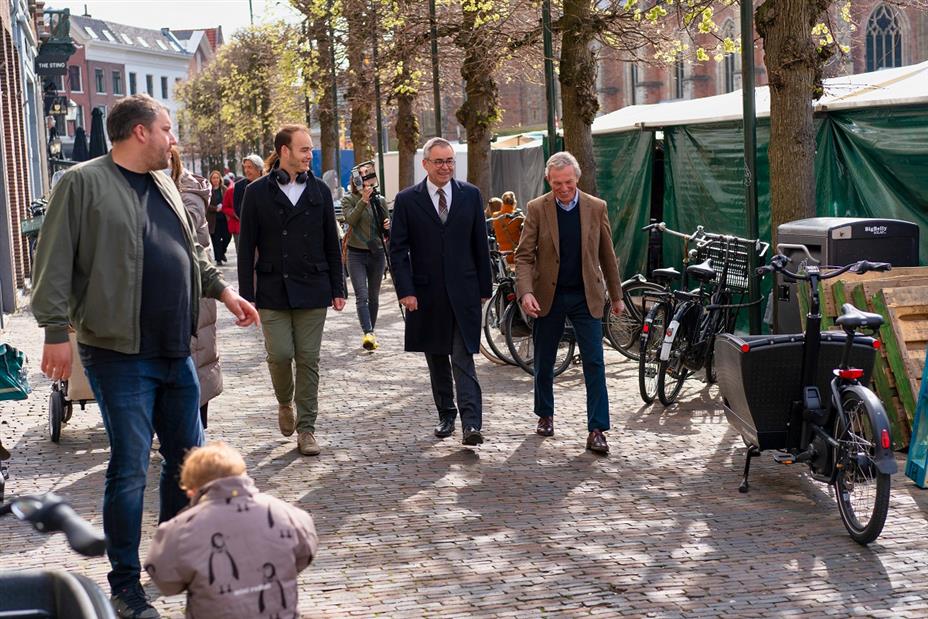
<point x="624" y="164"/>
<point x="872" y="163"/>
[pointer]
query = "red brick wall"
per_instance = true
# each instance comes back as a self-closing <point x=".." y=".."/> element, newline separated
<point x="14" y="147"/>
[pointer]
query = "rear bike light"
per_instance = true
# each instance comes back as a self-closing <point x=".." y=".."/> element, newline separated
<point x="511" y="296"/>
<point x="851" y="373"/>
<point x="745" y="348"/>
<point x="646" y="328"/>
<point x="884" y="439"/>
<point x="876" y="344"/>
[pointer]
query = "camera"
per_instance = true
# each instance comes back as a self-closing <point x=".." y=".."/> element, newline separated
<point x="361" y="173"/>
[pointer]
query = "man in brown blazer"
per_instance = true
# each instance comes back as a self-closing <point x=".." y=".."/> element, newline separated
<point x="564" y="257"/>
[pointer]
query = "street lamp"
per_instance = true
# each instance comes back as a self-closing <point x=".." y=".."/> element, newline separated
<point x="54" y="147"/>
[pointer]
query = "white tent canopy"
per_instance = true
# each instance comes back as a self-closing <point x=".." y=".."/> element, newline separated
<point x="898" y="86"/>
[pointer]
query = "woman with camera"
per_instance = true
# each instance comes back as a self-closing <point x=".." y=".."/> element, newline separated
<point x="364" y="212"/>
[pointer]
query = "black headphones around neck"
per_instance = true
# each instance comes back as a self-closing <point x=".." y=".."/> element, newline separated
<point x="283" y="177"/>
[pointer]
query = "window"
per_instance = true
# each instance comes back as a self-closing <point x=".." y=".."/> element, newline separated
<point x="633" y="83"/>
<point x="164" y="87"/>
<point x="730" y="61"/>
<point x="884" y="39"/>
<point x="101" y="84"/>
<point x="109" y="36"/>
<point x="117" y="82"/>
<point x="90" y="32"/>
<point x="133" y="86"/>
<point x="678" y="74"/>
<point x="142" y="42"/>
<point x="161" y="44"/>
<point x="57" y="81"/>
<point x="74" y="78"/>
<point x="126" y="38"/>
<point x="78" y="116"/>
<point x="150" y="85"/>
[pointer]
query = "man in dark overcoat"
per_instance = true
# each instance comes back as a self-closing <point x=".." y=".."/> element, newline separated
<point x="441" y="268"/>
<point x="288" y="222"/>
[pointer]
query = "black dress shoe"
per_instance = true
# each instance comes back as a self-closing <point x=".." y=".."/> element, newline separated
<point x="545" y="426"/>
<point x="445" y="428"/>
<point x="472" y="436"/>
<point x="597" y="442"/>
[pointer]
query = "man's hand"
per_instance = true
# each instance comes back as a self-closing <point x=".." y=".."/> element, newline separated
<point x="338" y="303"/>
<point x="366" y="194"/>
<point x="530" y="305"/>
<point x="411" y="303"/>
<point x="245" y="313"/>
<point x="386" y="224"/>
<point x="618" y="308"/>
<point x="56" y="361"/>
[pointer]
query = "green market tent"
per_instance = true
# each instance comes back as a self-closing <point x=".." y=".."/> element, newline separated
<point x="872" y="137"/>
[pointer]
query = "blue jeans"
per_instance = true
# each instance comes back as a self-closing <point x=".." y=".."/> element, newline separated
<point x="366" y="271"/>
<point x="138" y="398"/>
<point x="547" y="334"/>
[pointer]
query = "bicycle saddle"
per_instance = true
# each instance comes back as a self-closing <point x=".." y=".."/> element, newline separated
<point x="667" y="274"/>
<point x="852" y="318"/>
<point x="702" y="271"/>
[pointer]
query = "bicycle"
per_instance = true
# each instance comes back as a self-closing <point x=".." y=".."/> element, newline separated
<point x="700" y="316"/>
<point x="519" y="327"/>
<point x="775" y="403"/>
<point x="652" y="333"/>
<point x="495" y="308"/>
<point x="54" y="593"/>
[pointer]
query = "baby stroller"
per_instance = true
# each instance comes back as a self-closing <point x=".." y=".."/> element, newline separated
<point x="66" y="392"/>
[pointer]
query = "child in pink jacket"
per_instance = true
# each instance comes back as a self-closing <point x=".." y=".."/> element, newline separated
<point x="235" y="551"/>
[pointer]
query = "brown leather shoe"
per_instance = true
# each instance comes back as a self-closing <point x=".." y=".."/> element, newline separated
<point x="597" y="442"/>
<point x="286" y="418"/>
<point x="545" y="426"/>
<point x="307" y="444"/>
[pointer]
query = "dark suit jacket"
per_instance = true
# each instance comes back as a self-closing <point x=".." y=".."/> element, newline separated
<point x="445" y="266"/>
<point x="538" y="255"/>
<point x="299" y="264"/>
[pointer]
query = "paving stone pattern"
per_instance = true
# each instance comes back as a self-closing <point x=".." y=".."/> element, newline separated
<point x="522" y="526"/>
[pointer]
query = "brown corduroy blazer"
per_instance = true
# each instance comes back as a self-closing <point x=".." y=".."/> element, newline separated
<point x="538" y="254"/>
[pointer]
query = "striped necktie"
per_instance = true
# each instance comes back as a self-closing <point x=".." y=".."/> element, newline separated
<point x="442" y="205"/>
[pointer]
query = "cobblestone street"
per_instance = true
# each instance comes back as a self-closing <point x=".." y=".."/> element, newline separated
<point x="522" y="526"/>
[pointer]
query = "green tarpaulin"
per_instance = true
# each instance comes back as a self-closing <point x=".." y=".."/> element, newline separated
<point x="624" y="164"/>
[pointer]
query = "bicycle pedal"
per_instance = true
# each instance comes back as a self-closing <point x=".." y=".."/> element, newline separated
<point x="784" y="458"/>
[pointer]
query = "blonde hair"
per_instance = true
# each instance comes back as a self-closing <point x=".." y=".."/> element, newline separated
<point x="509" y="198"/>
<point x="214" y="460"/>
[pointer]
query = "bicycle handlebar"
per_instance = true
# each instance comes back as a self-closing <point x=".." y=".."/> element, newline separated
<point x="778" y="263"/>
<point x="703" y="237"/>
<point x="49" y="513"/>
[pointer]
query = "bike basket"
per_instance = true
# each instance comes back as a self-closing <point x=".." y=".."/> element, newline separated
<point x="735" y="252"/>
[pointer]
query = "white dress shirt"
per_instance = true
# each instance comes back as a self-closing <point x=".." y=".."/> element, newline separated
<point x="293" y="190"/>
<point x="433" y="193"/>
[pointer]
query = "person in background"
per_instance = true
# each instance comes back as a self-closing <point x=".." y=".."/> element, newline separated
<point x="508" y="230"/>
<point x="253" y="168"/>
<point x="216" y="219"/>
<point x="235" y="551"/>
<point x="363" y="211"/>
<point x="195" y="193"/>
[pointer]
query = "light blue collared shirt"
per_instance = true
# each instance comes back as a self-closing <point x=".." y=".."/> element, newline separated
<point x="570" y="205"/>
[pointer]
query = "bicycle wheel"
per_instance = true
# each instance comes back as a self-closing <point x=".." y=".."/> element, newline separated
<point x="493" y="313"/>
<point x="518" y="330"/>
<point x="623" y="331"/>
<point x="861" y="490"/>
<point x="649" y="348"/>
<point x="672" y="373"/>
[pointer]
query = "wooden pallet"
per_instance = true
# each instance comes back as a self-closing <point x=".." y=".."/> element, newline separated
<point x="874" y="280"/>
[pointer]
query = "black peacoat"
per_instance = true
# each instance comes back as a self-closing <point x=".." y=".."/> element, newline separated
<point x="299" y="264"/>
<point x="445" y="266"/>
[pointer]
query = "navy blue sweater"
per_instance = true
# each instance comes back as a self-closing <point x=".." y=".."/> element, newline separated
<point x="570" y="273"/>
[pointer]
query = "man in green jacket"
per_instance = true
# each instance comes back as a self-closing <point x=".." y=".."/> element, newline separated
<point x="117" y="260"/>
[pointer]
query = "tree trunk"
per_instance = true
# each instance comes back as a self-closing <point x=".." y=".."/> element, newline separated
<point x="794" y="66"/>
<point x="407" y="134"/>
<point x="325" y="108"/>
<point x="578" y="89"/>
<point x="480" y="110"/>
<point x="360" y="92"/>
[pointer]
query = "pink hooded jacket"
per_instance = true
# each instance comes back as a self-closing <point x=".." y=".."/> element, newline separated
<point x="236" y="552"/>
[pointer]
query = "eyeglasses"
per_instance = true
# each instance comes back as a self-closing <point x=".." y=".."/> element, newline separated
<point x="442" y="162"/>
